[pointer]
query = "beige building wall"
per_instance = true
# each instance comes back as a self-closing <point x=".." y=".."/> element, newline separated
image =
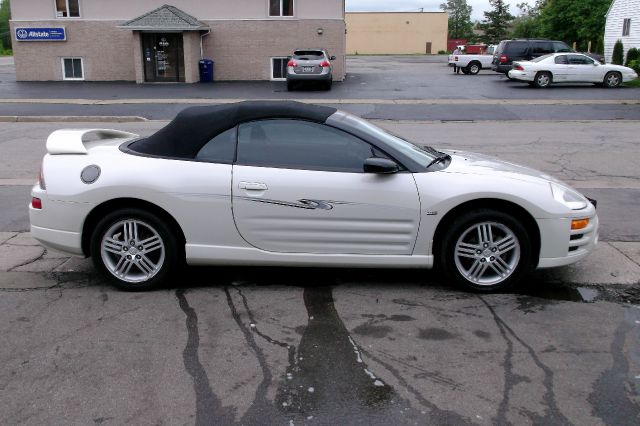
<point x="202" y="9"/>
<point x="396" y="32"/>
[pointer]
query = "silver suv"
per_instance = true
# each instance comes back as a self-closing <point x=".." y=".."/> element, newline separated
<point x="310" y="65"/>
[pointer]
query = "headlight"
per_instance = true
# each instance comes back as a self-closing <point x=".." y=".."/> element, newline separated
<point x="568" y="197"/>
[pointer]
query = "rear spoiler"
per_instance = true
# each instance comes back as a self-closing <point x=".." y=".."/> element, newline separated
<point x="72" y="141"/>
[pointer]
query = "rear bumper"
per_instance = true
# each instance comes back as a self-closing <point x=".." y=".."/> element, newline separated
<point x="54" y="239"/>
<point x="521" y="75"/>
<point x="309" y="77"/>
<point x="501" y="68"/>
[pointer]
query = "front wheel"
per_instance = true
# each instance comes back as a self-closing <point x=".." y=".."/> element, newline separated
<point x="135" y="249"/>
<point x="465" y="70"/>
<point x="486" y="250"/>
<point x="612" y="79"/>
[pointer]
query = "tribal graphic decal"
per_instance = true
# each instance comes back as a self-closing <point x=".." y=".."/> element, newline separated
<point x="301" y="204"/>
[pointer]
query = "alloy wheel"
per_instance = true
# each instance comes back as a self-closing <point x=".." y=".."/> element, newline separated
<point x="132" y="251"/>
<point x="487" y="253"/>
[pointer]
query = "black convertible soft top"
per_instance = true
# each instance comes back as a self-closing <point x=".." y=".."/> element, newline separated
<point x="195" y="126"/>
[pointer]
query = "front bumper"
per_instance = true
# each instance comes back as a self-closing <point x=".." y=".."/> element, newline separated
<point x="563" y="246"/>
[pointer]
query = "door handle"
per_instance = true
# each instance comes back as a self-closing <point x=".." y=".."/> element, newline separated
<point x="253" y="186"/>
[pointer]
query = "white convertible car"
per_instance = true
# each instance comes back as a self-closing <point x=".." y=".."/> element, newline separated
<point x="570" y="68"/>
<point x="283" y="183"/>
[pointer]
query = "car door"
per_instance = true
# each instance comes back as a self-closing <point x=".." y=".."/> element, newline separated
<point x="583" y="69"/>
<point x="299" y="187"/>
<point x="559" y="67"/>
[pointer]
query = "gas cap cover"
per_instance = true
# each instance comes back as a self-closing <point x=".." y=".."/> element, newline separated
<point x="90" y="174"/>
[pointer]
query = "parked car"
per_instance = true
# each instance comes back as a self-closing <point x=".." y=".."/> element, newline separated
<point x="523" y="50"/>
<point x="291" y="184"/>
<point x="310" y="65"/>
<point x="569" y="68"/>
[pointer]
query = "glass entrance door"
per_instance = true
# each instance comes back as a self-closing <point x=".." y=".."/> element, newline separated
<point x="163" y="57"/>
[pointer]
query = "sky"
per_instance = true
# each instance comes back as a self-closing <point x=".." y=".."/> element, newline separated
<point x="479" y="6"/>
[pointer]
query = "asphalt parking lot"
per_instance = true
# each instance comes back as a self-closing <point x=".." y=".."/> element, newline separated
<point x="255" y="346"/>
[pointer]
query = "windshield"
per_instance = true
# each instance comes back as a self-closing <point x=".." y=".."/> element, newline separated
<point x="421" y="155"/>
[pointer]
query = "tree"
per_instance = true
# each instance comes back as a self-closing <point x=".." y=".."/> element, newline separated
<point x="527" y="23"/>
<point x="5" y="16"/>
<point x="618" y="53"/>
<point x="573" y="20"/>
<point x="460" y="25"/>
<point x="496" y="21"/>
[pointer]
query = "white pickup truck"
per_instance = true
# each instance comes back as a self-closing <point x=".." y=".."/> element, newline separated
<point x="472" y="64"/>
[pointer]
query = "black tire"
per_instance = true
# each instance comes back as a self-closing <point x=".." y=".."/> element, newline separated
<point x="462" y="226"/>
<point x="290" y="86"/>
<point x="543" y="79"/>
<point x="465" y="70"/>
<point x="328" y="85"/>
<point x="474" y="67"/>
<point x="612" y="80"/>
<point x="165" y="266"/>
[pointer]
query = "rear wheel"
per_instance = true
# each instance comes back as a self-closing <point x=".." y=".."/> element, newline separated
<point x="486" y="250"/>
<point x="328" y="85"/>
<point x="290" y="86"/>
<point x="612" y="79"/>
<point x="542" y="79"/>
<point x="474" y="68"/>
<point x="135" y="249"/>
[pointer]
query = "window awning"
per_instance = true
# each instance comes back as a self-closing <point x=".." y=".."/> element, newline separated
<point x="165" y="18"/>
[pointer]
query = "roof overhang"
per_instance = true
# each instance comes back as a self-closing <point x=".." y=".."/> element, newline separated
<point x="165" y="18"/>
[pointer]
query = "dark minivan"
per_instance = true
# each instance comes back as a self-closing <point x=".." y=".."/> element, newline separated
<point x="523" y="50"/>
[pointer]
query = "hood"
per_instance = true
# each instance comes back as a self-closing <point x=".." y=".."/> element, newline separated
<point x="484" y="165"/>
<point x="620" y="68"/>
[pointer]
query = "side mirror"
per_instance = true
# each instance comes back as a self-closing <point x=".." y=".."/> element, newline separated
<point x="332" y="58"/>
<point x="380" y="166"/>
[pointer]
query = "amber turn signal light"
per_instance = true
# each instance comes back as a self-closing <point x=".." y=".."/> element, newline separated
<point x="579" y="224"/>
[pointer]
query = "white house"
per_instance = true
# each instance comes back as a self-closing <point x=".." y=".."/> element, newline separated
<point x="623" y="23"/>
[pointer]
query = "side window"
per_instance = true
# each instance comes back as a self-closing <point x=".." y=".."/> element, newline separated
<point x="579" y="60"/>
<point x="221" y="149"/>
<point x="559" y="46"/>
<point x="561" y="60"/>
<point x="516" y="48"/>
<point x="542" y="48"/>
<point x="67" y="8"/>
<point x="297" y="144"/>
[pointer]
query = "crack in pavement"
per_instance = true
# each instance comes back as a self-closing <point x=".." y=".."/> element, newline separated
<point x="553" y="415"/>
<point x="611" y="391"/>
<point x="260" y="408"/>
<point x="209" y="409"/>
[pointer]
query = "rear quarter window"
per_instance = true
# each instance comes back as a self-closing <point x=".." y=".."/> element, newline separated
<point x="516" y="48"/>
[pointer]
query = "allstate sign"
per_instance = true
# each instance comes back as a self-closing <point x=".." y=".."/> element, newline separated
<point x="41" y="34"/>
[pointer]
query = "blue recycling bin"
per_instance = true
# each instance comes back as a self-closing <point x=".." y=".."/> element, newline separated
<point x="206" y="70"/>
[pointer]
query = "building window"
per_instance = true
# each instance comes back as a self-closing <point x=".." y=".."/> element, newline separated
<point x="72" y="69"/>
<point x="280" y="7"/>
<point x="279" y="69"/>
<point x="626" y="27"/>
<point x="67" y="8"/>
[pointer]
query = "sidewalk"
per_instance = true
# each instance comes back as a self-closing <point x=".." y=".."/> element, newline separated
<point x="611" y="264"/>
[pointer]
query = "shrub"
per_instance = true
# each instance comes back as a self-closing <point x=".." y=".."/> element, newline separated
<point x="618" y="53"/>
<point x="635" y="64"/>
<point x="632" y="55"/>
<point x="442" y="52"/>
